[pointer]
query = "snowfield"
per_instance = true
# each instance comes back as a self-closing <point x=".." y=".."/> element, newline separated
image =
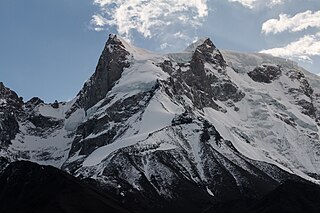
<point x="269" y="124"/>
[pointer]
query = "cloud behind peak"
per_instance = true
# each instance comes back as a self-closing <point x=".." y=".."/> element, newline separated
<point x="149" y="18"/>
<point x="296" y="23"/>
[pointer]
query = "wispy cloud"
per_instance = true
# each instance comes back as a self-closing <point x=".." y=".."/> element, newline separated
<point x="251" y="4"/>
<point x="302" y="49"/>
<point x="150" y="18"/>
<point x="246" y="3"/>
<point x="299" y="22"/>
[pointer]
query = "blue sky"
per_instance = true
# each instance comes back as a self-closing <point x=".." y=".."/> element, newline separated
<point x="48" y="48"/>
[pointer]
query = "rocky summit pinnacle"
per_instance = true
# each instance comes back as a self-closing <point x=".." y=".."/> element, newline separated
<point x="203" y="130"/>
<point x="209" y="53"/>
<point x="10" y="110"/>
<point x="9" y="95"/>
<point x="113" y="60"/>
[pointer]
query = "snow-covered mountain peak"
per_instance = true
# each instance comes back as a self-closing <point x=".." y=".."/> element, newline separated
<point x="114" y="58"/>
<point x="136" y="53"/>
<point x="192" y="47"/>
<point x="7" y="95"/>
<point x="114" y="45"/>
<point x="149" y="125"/>
<point x="203" y="46"/>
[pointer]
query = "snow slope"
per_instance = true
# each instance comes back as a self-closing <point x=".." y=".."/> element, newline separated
<point x="222" y="122"/>
<point x="255" y="130"/>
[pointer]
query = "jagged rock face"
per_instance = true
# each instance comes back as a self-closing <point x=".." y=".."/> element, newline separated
<point x="33" y="102"/>
<point x="10" y="108"/>
<point x="155" y="129"/>
<point x="147" y="170"/>
<point x="33" y="130"/>
<point x="305" y="87"/>
<point x="203" y="80"/>
<point x="113" y="60"/>
<point x="119" y="146"/>
<point x="304" y="95"/>
<point x="9" y="98"/>
<point x="206" y="52"/>
<point x="111" y="146"/>
<point x="41" y="125"/>
<point x="9" y="128"/>
<point x="265" y="74"/>
<point x="270" y="73"/>
<point x="110" y="126"/>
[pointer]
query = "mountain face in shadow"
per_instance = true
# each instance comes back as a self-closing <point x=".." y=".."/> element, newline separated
<point x="27" y="187"/>
<point x="291" y="196"/>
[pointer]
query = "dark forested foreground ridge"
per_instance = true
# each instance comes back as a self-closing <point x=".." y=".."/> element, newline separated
<point x="29" y="187"/>
<point x="203" y="130"/>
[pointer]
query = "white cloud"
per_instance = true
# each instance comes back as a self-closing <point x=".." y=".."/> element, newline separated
<point x="302" y="49"/>
<point x="246" y="3"/>
<point x="179" y="35"/>
<point x="251" y="4"/>
<point x="275" y="2"/>
<point x="299" y="22"/>
<point x="150" y="18"/>
<point x="98" y="20"/>
<point x="164" y="45"/>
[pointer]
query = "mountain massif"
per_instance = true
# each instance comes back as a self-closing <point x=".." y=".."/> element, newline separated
<point x="203" y="130"/>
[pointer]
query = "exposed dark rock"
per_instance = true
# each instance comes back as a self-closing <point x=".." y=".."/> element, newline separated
<point x="33" y="102"/>
<point x="117" y="113"/>
<point x="242" y="135"/>
<point x="199" y="84"/>
<point x="184" y="118"/>
<point x="206" y="52"/>
<point x="10" y="109"/>
<point x="55" y="105"/>
<point x="308" y="108"/>
<point x="208" y="131"/>
<point x="12" y="99"/>
<point x="265" y="73"/>
<point x="227" y="91"/>
<point x="306" y="88"/>
<point x="91" y="144"/>
<point x="167" y="66"/>
<point x="9" y="127"/>
<point x="182" y="166"/>
<point x="226" y="179"/>
<point x="288" y="120"/>
<point x="44" y="122"/>
<point x="113" y="60"/>
<point x="304" y="84"/>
